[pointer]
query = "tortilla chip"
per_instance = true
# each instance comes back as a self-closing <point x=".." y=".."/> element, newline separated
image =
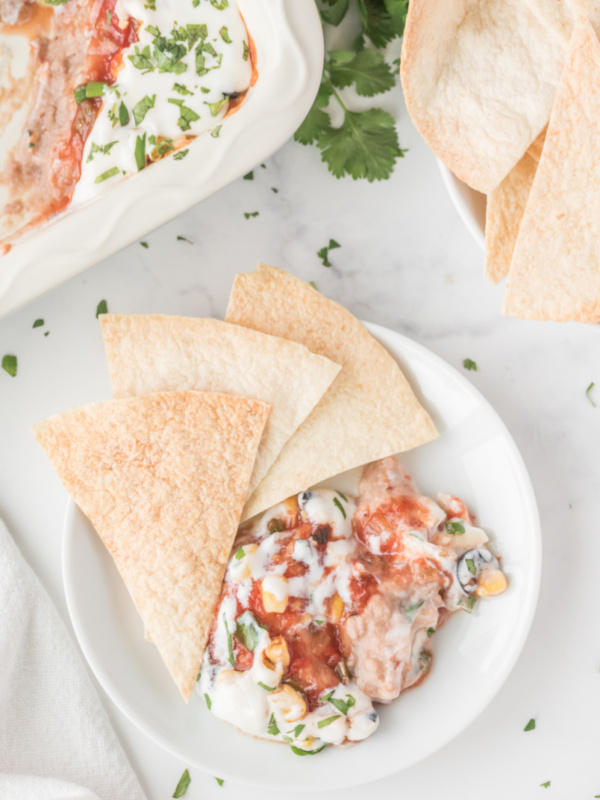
<point x="154" y="353"/>
<point x="480" y="76"/>
<point x="535" y="148"/>
<point x="504" y="212"/>
<point x="368" y="413"/>
<point x="555" y="273"/>
<point x="163" y="479"/>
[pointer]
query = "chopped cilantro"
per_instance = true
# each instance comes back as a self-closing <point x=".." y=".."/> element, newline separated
<point x="141" y="109"/>
<point x="184" y="239"/>
<point x="106" y="175"/>
<point x="337" y="503"/>
<point x="314" y="285"/>
<point x="220" y="781"/>
<point x="367" y="70"/>
<point x="342" y="495"/>
<point x="246" y="631"/>
<point x="229" y="642"/>
<point x="323" y="253"/>
<point x="181" y="154"/>
<point x="430" y="632"/>
<point x="455" y="528"/>
<point x="471" y="566"/>
<point x="216" y="131"/>
<point x="224" y="33"/>
<point x="265" y="687"/>
<point x="588" y="395"/>
<point x="323" y="723"/>
<point x="9" y="364"/>
<point x="101" y="308"/>
<point x="181" y="89"/>
<point x="300" y="752"/>
<point x="246" y="51"/>
<point x="341" y="705"/>
<point x="108" y="19"/>
<point x="208" y="701"/>
<point x="239" y="554"/>
<point x="274" y="190"/>
<point x="411" y="610"/>
<point x="145" y="244"/>
<point x="297" y="730"/>
<point x="249" y="176"/>
<point x="219" y="4"/>
<point x="38" y="323"/>
<point x="88" y="90"/>
<point x="546" y="785"/>
<point x="140" y="152"/>
<point x="469" y="364"/>
<point x="530" y="725"/>
<point x="141" y="59"/>
<point x="123" y="114"/>
<point x="249" y="214"/>
<point x="186" y="115"/>
<point x="103" y="149"/>
<point x="273" y="730"/>
<point x="215" y="108"/>
<point x="183" y="784"/>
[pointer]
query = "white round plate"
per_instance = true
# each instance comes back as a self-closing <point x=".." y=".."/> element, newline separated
<point x="474" y="458"/>
<point x="469" y="204"/>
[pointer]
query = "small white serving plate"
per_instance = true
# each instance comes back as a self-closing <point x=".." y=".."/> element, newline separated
<point x="474" y="458"/>
<point x="469" y="204"/>
<point x="289" y="44"/>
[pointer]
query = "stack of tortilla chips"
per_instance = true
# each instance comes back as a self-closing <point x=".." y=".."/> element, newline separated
<point x="213" y="423"/>
<point x="507" y="94"/>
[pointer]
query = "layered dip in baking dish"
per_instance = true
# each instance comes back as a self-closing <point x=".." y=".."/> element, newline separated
<point x="94" y="92"/>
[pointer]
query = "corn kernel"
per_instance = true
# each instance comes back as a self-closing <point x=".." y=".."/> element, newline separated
<point x="491" y="582"/>
<point x="276" y="652"/>
<point x="275" y="601"/>
<point x="227" y="675"/>
<point x="290" y="703"/>
<point x="336" y="609"/>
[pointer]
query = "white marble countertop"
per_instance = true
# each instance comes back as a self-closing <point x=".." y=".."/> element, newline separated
<point x="406" y="262"/>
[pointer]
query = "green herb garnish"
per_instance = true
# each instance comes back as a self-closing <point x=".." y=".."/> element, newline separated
<point x="106" y="175"/>
<point x="220" y="781"/>
<point x="471" y="566"/>
<point x="183" y="784"/>
<point x="186" y="115"/>
<point x="469" y="364"/>
<point x="300" y="752"/>
<point x="123" y="114"/>
<point x="455" y="528"/>
<point x="229" y="642"/>
<point x="249" y="214"/>
<point x="430" y="632"/>
<point x="181" y="89"/>
<point x="588" y="395"/>
<point x="101" y="308"/>
<point x="141" y="109"/>
<point x="181" y="154"/>
<point x="297" y="730"/>
<point x="530" y="725"/>
<point x="219" y="4"/>
<point x="216" y="131"/>
<point x="145" y="244"/>
<point x="249" y="176"/>
<point x="273" y="730"/>
<point x="208" y="701"/>
<point x="323" y="253"/>
<point x="265" y="687"/>
<point x="239" y="553"/>
<point x="323" y="723"/>
<point x="341" y="705"/>
<point x="246" y="51"/>
<point x="546" y="785"/>
<point x="246" y="631"/>
<point x="184" y="239"/>
<point x="140" y="152"/>
<point x="38" y="323"/>
<point x="103" y="149"/>
<point x="215" y="108"/>
<point x="88" y="90"/>
<point x="342" y="495"/>
<point x="9" y="364"/>
<point x="314" y="285"/>
<point x="414" y="607"/>
<point x="224" y="33"/>
<point x="337" y="503"/>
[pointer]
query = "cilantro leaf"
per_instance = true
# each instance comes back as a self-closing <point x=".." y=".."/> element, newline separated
<point x="469" y="364"/>
<point x="246" y="631"/>
<point x="530" y="725"/>
<point x="378" y="26"/>
<point x="9" y="364"/>
<point x="336" y="12"/>
<point x="398" y="10"/>
<point x="366" y="69"/>
<point x="183" y="784"/>
<point x="588" y="395"/>
<point x="365" y="146"/>
<point x="317" y="121"/>
<point x="101" y="308"/>
<point x="300" y="752"/>
<point x="323" y="723"/>
<point x="140" y="152"/>
<point x="141" y="109"/>
<point x="220" y="781"/>
<point x="273" y="730"/>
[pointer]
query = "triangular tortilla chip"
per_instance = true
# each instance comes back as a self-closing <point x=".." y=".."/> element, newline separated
<point x="504" y="212"/>
<point x="154" y="353"/>
<point x="163" y="479"/>
<point x="536" y="148"/>
<point x="369" y="411"/>
<point x="555" y="272"/>
<point x="479" y="78"/>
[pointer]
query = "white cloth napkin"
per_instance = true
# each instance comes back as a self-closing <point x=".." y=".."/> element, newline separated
<point x="56" y="741"/>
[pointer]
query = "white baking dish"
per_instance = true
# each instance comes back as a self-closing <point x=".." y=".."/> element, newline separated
<point x="289" y="46"/>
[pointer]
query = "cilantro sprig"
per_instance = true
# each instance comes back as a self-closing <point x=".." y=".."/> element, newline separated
<point x="366" y="144"/>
